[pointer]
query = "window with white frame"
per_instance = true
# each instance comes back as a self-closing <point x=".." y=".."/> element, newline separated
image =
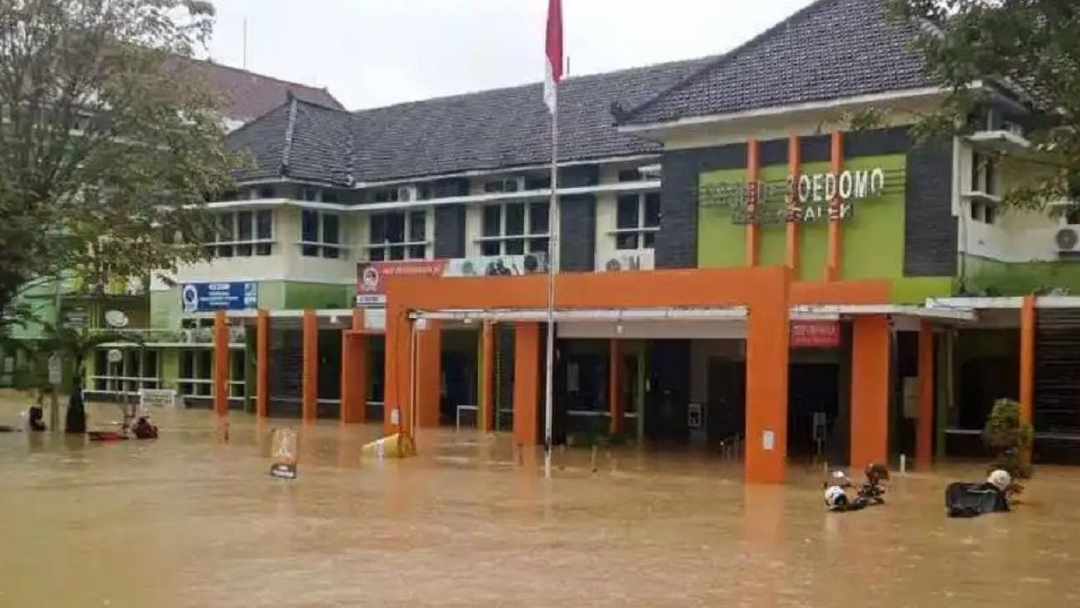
<point x="983" y="212"/>
<point x="514" y="229"/>
<point x="320" y="234"/>
<point x="136" y="370"/>
<point x="242" y="234"/>
<point x="318" y="195"/>
<point x="983" y="173"/>
<point x="398" y="235"/>
<point x="196" y="379"/>
<point x="637" y="220"/>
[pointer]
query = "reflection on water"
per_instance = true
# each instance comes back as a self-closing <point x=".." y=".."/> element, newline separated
<point x="194" y="519"/>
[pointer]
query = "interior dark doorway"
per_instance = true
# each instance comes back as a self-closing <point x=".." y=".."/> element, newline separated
<point x="813" y="407"/>
<point x="581" y="390"/>
<point x="725" y="419"/>
<point x="460" y="376"/>
<point x="668" y="392"/>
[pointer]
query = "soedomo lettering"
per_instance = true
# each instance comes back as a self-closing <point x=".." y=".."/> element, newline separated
<point x="804" y="198"/>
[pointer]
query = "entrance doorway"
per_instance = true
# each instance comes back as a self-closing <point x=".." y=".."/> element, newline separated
<point x="460" y="377"/>
<point x="726" y="407"/>
<point x="813" y="407"/>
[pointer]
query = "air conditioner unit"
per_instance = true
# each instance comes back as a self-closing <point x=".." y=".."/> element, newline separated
<point x="631" y="260"/>
<point x="1066" y="239"/>
<point x="406" y="193"/>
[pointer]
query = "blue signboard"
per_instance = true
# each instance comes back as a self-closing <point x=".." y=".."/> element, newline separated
<point x="208" y="297"/>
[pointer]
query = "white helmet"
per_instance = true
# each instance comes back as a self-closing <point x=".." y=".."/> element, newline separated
<point x="999" y="479"/>
<point x="835" y="497"/>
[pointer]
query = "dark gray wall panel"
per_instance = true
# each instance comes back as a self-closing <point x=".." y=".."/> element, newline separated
<point x="450" y="231"/>
<point x="577" y="248"/>
<point x="929" y="226"/>
<point x="583" y="175"/>
<point x="676" y="243"/>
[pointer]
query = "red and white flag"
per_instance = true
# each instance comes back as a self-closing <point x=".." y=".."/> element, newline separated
<point x="554" y="62"/>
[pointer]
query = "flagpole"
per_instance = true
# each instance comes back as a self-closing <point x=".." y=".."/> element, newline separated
<point x="553" y="49"/>
<point x="553" y="265"/>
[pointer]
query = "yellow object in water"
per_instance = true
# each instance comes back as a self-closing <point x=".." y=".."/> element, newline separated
<point x="391" y="446"/>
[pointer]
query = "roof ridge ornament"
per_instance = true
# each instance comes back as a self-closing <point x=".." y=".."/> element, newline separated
<point x="289" y="131"/>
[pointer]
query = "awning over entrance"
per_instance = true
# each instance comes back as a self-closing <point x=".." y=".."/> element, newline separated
<point x="736" y="313"/>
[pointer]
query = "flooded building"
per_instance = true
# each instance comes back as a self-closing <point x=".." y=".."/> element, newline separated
<point x="737" y="265"/>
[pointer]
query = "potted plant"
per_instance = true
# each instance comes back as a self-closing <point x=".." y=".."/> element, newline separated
<point x="1009" y="438"/>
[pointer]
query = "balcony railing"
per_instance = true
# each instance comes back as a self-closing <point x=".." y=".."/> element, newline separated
<point x="202" y="336"/>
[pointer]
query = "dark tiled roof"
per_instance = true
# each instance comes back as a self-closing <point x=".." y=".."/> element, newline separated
<point x="297" y="139"/>
<point x="828" y="50"/>
<point x="505" y="127"/>
<point x="473" y="132"/>
<point x="248" y="95"/>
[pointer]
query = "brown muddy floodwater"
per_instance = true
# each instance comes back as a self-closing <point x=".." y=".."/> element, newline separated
<point x="194" y="520"/>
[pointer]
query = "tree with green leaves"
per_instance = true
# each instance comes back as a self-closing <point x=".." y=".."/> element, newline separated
<point x="1027" y="49"/>
<point x="107" y="144"/>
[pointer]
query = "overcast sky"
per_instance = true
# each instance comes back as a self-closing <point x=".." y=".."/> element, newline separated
<point x="377" y="52"/>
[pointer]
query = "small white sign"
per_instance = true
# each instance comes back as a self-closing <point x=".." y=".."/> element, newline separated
<point x="375" y="319"/>
<point x="56" y="369"/>
<point x="395" y="416"/>
<point x="768" y="440"/>
<point x="157" y="396"/>
<point x="115" y="356"/>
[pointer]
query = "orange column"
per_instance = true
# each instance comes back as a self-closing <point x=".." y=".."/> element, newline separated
<point x="753" y="191"/>
<point x="767" y="350"/>
<point x="834" y="262"/>
<point x="1027" y="359"/>
<point x="398" y="372"/>
<point x="924" y="445"/>
<point x="221" y="363"/>
<point x="354" y="381"/>
<point x="615" y="388"/>
<point x="487" y="377"/>
<point x="528" y="381"/>
<point x="262" y="364"/>
<point x="794" y="168"/>
<point x="870" y="362"/>
<point x="429" y="375"/>
<point x="310" y="378"/>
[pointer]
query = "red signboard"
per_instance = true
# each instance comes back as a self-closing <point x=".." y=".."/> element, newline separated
<point x="815" y="334"/>
<point x="371" y="277"/>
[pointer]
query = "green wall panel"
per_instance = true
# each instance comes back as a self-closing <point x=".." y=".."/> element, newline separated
<point x="316" y="295"/>
<point x="994" y="278"/>
<point x="165" y="309"/>
<point x="721" y="244"/>
<point x="874" y="237"/>
<point x="170" y="367"/>
<point x="813" y="239"/>
<point x="773" y="238"/>
<point x="272" y="295"/>
<point x="915" y="290"/>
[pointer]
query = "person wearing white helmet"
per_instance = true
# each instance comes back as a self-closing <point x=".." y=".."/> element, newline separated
<point x="836" y="499"/>
<point x="869" y="493"/>
<point x="1000" y="479"/>
<point x="973" y="499"/>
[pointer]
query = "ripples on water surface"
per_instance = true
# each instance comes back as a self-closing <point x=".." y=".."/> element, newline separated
<point x="194" y="520"/>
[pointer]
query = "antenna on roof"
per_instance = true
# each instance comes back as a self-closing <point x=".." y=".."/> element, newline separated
<point x="245" y="43"/>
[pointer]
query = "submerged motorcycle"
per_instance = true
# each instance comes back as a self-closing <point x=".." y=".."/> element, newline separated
<point x="870" y="493"/>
